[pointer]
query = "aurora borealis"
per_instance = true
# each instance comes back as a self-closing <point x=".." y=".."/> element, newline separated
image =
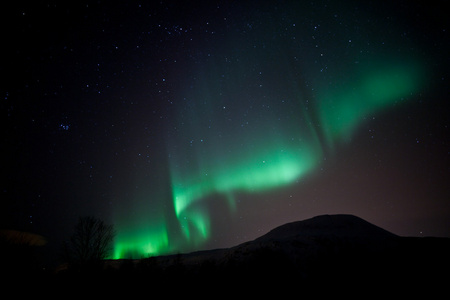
<point x="192" y="126"/>
<point x="266" y="156"/>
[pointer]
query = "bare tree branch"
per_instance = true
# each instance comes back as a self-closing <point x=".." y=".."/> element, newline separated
<point x="90" y="243"/>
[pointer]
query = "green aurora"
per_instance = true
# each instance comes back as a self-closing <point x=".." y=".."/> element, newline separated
<point x="378" y="86"/>
<point x="226" y="165"/>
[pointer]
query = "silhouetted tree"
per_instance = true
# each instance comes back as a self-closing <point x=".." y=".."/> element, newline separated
<point x="90" y="243"/>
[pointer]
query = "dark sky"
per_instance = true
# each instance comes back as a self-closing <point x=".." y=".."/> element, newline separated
<point x="200" y="124"/>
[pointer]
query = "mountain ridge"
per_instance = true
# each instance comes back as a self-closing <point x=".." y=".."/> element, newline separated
<point x="344" y="225"/>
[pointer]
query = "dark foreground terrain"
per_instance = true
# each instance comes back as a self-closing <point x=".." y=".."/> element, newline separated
<point x="324" y="254"/>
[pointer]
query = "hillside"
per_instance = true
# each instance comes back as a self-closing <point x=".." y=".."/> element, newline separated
<point x="327" y="226"/>
<point x="326" y="242"/>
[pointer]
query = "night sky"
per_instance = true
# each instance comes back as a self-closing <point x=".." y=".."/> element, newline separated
<point x="193" y="125"/>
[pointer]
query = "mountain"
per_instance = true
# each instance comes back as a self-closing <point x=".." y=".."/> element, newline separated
<point x="324" y="247"/>
<point x="327" y="226"/>
<point x="310" y="241"/>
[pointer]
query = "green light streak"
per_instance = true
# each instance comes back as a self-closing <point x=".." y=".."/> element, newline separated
<point x="376" y="88"/>
<point x="254" y="174"/>
<point x="140" y="241"/>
